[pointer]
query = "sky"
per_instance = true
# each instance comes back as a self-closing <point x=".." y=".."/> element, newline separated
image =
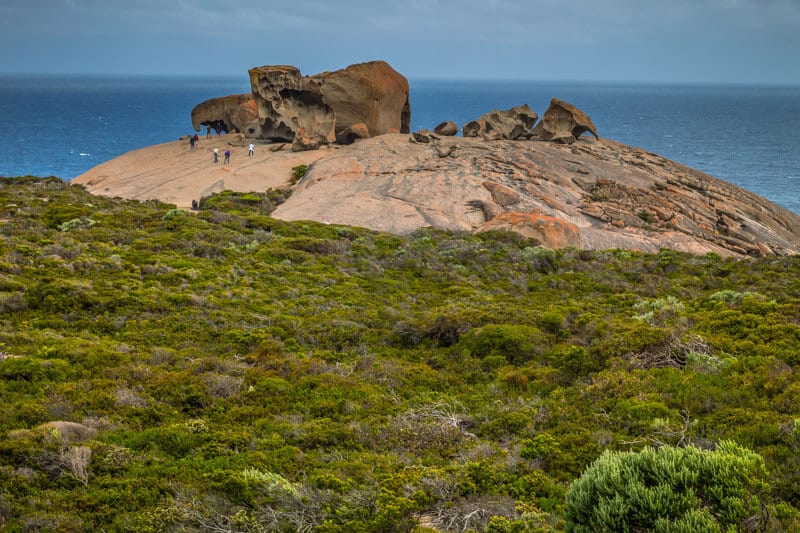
<point x="673" y="41"/>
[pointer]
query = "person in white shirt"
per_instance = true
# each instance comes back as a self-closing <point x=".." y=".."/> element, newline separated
<point x="251" y="149"/>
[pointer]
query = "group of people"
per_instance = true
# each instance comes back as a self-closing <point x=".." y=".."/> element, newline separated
<point x="227" y="156"/>
<point x="193" y="139"/>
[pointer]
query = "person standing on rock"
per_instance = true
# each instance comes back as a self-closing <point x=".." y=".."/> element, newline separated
<point x="191" y="143"/>
<point x="196" y="139"/>
<point x="227" y="156"/>
<point x="251" y="150"/>
<point x="216" y="155"/>
<point x="208" y="132"/>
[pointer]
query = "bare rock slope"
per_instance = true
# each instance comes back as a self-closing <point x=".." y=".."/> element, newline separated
<point x="595" y="194"/>
<point x="173" y="173"/>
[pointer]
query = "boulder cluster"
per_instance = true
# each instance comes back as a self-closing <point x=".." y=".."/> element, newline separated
<point x="362" y="101"/>
<point x="562" y="122"/>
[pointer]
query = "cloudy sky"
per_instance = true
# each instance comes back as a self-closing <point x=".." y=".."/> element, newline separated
<point x="718" y="41"/>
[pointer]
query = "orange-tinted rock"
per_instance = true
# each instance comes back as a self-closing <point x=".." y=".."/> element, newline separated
<point x="235" y="113"/>
<point x="373" y="94"/>
<point x="551" y="232"/>
<point x="367" y="97"/>
<point x="563" y="122"/>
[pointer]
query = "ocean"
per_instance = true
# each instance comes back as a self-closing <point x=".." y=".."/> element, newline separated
<point x="62" y="126"/>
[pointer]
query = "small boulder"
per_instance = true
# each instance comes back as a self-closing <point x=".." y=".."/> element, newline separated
<point x="446" y="129"/>
<point x="423" y="136"/>
<point x="352" y="133"/>
<point x="563" y="122"/>
<point x="304" y="141"/>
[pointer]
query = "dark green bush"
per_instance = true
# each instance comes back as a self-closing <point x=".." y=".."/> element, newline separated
<point x="517" y="343"/>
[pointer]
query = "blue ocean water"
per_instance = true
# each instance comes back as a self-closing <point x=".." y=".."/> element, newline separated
<point x="749" y="136"/>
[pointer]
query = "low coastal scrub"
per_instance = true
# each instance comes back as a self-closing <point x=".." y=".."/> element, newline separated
<point x="163" y="370"/>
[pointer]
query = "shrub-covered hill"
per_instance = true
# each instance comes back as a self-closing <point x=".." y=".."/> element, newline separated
<point x="222" y="370"/>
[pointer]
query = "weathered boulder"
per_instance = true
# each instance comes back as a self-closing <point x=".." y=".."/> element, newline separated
<point x="563" y="122"/>
<point x="235" y="113"/>
<point x="361" y="100"/>
<point x="372" y="93"/>
<point x="288" y="102"/>
<point x="550" y="231"/>
<point x="511" y="124"/>
<point x="446" y="129"/>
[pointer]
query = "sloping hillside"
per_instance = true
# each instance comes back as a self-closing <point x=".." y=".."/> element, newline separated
<point x="163" y="371"/>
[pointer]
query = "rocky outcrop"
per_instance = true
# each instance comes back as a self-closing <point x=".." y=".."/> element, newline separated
<point x="563" y="122"/>
<point x="594" y="194"/>
<point x="235" y="113"/>
<point x="511" y="124"/>
<point x="361" y="100"/>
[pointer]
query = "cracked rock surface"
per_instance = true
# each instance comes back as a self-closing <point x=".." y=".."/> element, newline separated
<point x="603" y="194"/>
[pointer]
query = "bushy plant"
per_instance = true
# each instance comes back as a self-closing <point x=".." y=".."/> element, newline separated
<point x="517" y="343"/>
<point x="671" y="489"/>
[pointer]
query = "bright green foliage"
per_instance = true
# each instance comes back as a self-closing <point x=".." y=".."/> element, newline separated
<point x="226" y="370"/>
<point x="670" y="489"/>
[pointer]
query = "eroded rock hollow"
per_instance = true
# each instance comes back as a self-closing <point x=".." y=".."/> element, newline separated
<point x="362" y="100"/>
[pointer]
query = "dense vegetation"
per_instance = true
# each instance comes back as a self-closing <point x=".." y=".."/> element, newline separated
<point x="225" y="371"/>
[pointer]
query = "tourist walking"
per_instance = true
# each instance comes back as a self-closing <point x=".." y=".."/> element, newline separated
<point x="216" y="155"/>
<point x="208" y="132"/>
<point x="251" y="150"/>
<point x="227" y="156"/>
<point x="196" y="139"/>
<point x="191" y="143"/>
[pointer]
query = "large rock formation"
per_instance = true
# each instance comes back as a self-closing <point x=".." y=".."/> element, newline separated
<point x="563" y="122"/>
<point x="373" y="94"/>
<point x="359" y="101"/>
<point x="592" y="194"/>
<point x="235" y="113"/>
<point x="291" y="107"/>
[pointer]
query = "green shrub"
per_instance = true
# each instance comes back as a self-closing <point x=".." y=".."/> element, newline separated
<point x="298" y="172"/>
<point x="670" y="489"/>
<point x="517" y="344"/>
